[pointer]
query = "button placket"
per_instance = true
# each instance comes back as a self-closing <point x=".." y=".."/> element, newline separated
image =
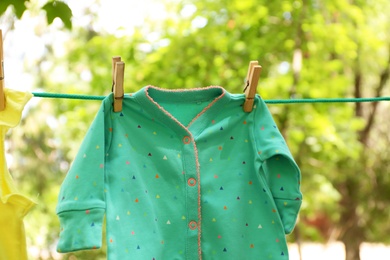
<point x="189" y="156"/>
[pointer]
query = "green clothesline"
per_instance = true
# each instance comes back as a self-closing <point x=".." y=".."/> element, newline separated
<point x="273" y="101"/>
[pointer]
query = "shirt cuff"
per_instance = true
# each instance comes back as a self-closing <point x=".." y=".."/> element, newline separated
<point x="80" y="229"/>
<point x="288" y="211"/>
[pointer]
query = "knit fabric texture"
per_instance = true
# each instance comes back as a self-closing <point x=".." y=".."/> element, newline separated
<point x="181" y="174"/>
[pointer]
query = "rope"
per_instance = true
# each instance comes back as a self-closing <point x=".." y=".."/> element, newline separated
<point x="273" y="101"/>
<point x="66" y="96"/>
<point x="326" y="100"/>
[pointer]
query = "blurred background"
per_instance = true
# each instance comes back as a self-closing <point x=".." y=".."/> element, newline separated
<point x="307" y="48"/>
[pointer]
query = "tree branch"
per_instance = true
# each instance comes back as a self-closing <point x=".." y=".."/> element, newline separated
<point x="358" y="91"/>
<point x="384" y="77"/>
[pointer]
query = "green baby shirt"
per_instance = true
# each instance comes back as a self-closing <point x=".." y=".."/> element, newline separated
<point x="181" y="174"/>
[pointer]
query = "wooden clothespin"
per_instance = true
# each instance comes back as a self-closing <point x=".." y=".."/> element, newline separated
<point x="251" y="81"/>
<point x="118" y="74"/>
<point x="2" y="95"/>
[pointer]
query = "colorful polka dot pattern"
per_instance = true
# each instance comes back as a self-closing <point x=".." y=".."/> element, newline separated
<point x="181" y="175"/>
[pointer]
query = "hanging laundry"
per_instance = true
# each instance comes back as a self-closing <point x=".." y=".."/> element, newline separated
<point x="148" y="169"/>
<point x="13" y="205"/>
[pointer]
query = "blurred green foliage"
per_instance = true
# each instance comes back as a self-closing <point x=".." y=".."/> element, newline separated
<point x="53" y="9"/>
<point x="308" y="49"/>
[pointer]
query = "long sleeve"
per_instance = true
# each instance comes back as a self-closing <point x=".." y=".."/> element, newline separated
<point x="278" y="167"/>
<point x="81" y="201"/>
<point x="13" y="205"/>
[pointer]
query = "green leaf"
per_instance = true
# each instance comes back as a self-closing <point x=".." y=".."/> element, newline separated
<point x="58" y="9"/>
<point x="19" y="6"/>
<point x="3" y="7"/>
